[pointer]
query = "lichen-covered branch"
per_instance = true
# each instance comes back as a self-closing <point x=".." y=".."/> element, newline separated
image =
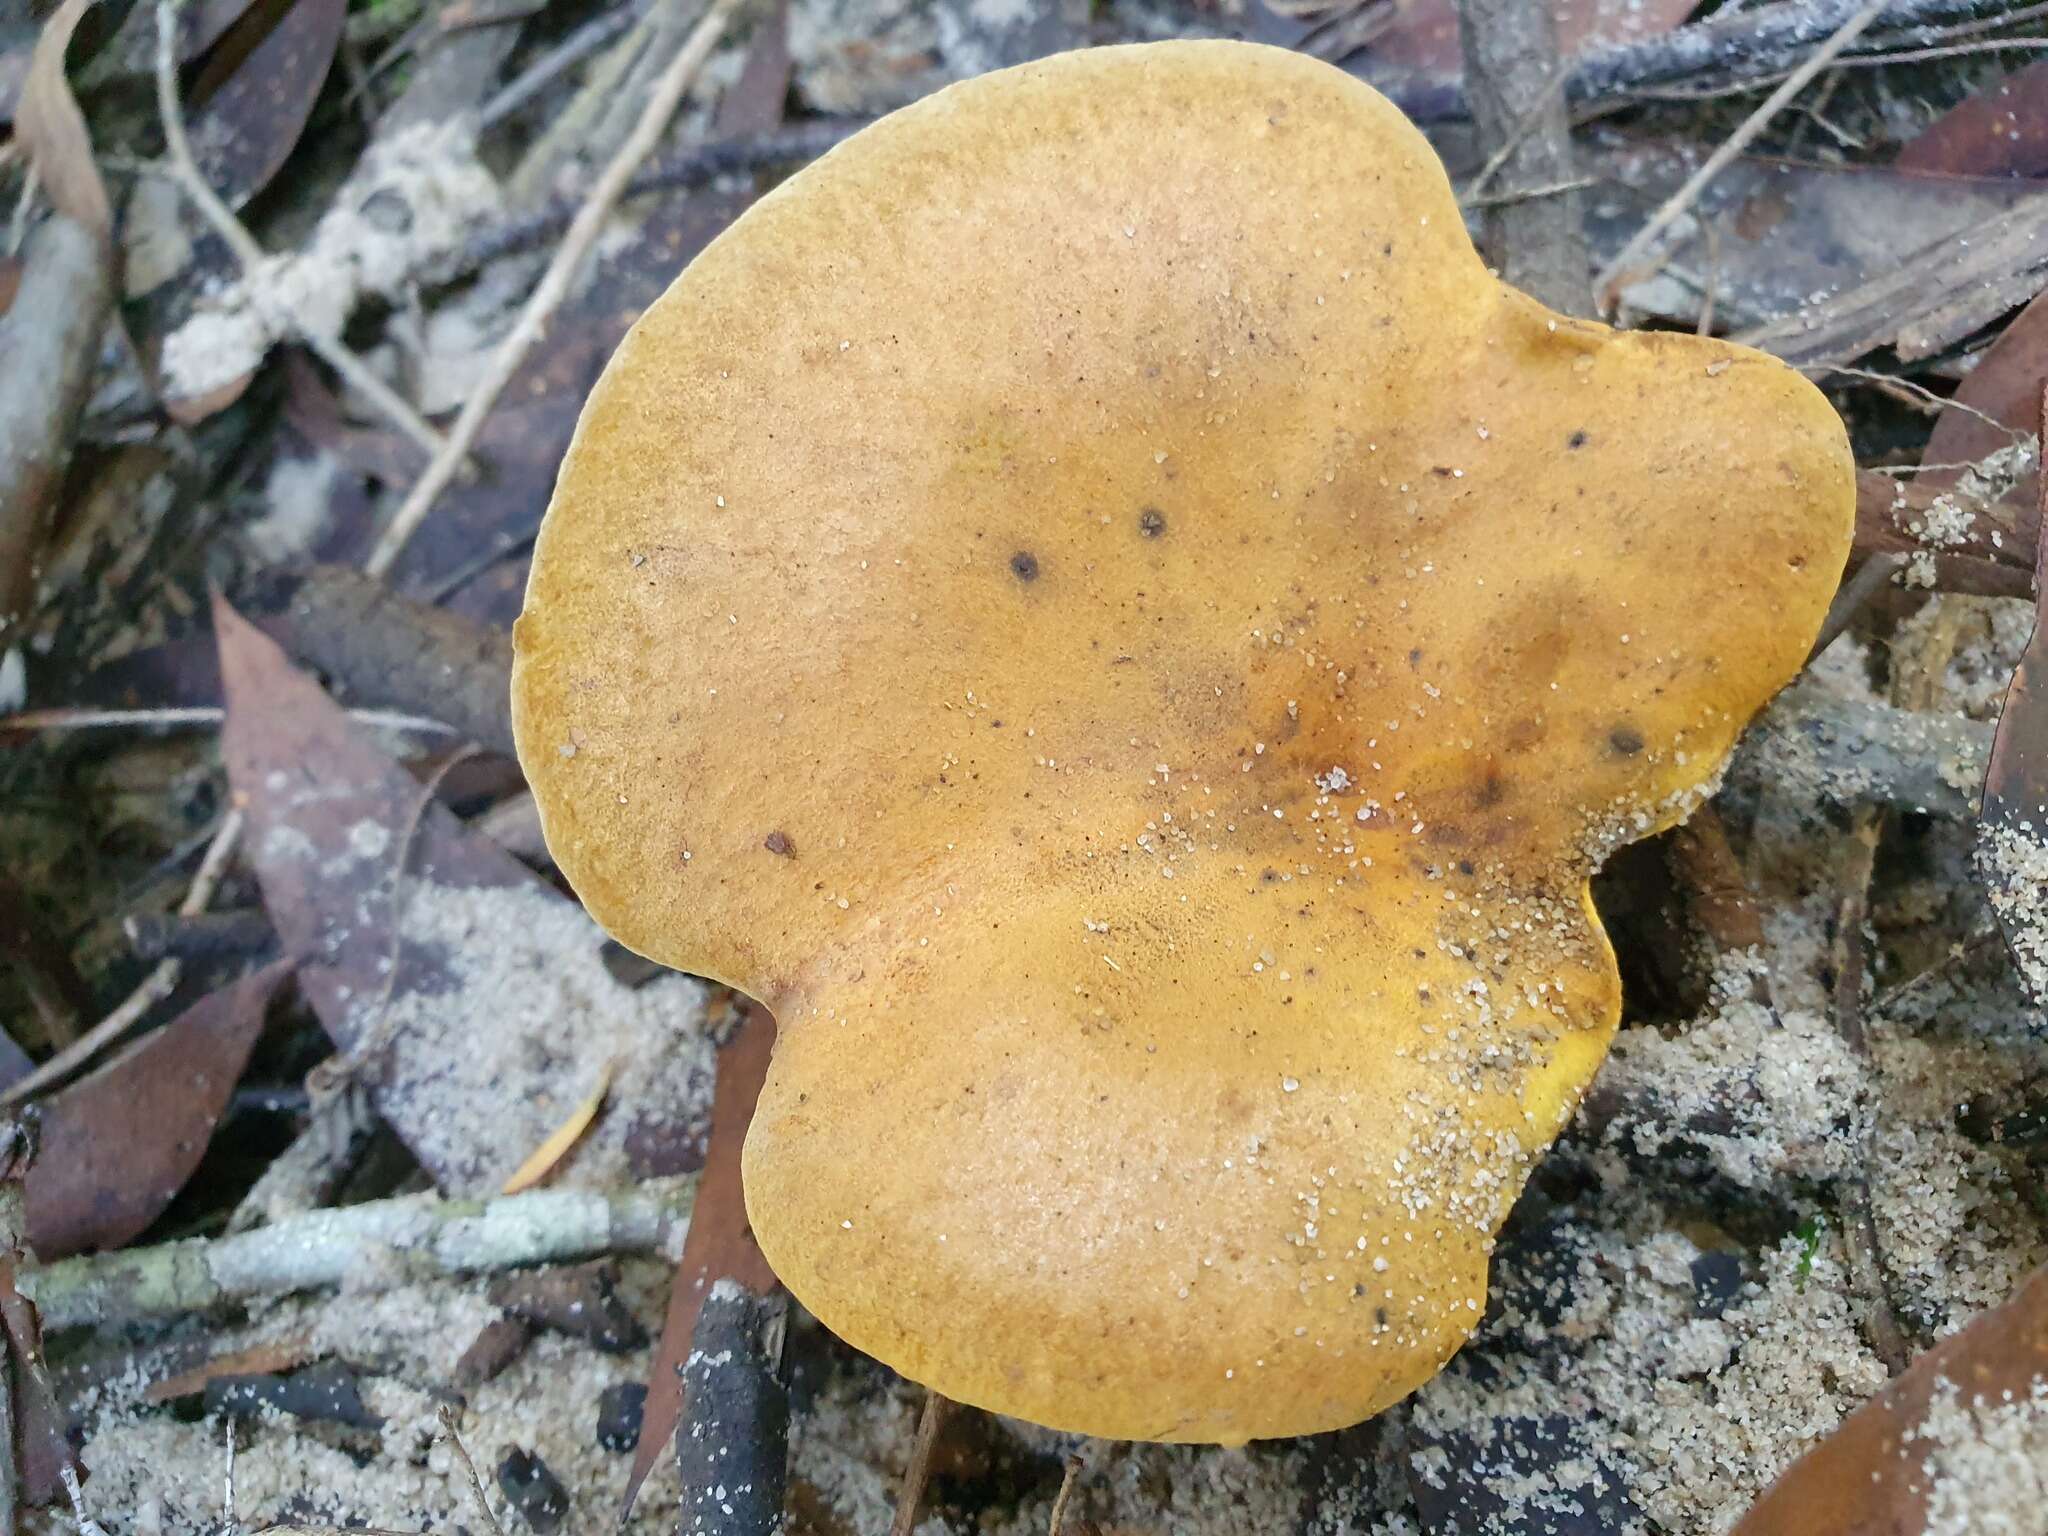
<point x="322" y="1247"/>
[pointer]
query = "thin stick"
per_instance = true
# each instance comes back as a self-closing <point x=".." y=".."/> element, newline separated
<point x="1676" y="205"/>
<point x="919" y="1472"/>
<point x="1068" y="1478"/>
<point x="184" y="170"/>
<point x="476" y="1484"/>
<point x="1939" y="403"/>
<point x="155" y="987"/>
<point x="65" y="719"/>
<point x="1870" y="578"/>
<point x="554" y="284"/>
<point x="322" y="1248"/>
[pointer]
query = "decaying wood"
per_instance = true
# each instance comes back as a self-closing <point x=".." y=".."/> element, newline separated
<point x="732" y="1446"/>
<point x="1929" y="300"/>
<point x="320" y="1248"/>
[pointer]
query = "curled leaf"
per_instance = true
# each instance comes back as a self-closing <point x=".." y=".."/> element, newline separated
<point x="52" y="129"/>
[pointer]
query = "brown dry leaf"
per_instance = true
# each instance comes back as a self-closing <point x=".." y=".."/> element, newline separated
<point x="470" y="994"/>
<point x="2006" y="386"/>
<point x="52" y="129"/>
<point x="1872" y="1476"/>
<point x="2012" y="829"/>
<point x="2000" y="131"/>
<point x="252" y="101"/>
<point x="118" y="1145"/>
<point x="720" y="1244"/>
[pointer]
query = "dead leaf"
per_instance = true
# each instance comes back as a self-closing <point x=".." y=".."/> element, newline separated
<point x="252" y="101"/>
<point x="1870" y="1477"/>
<point x="2000" y="131"/>
<point x="118" y="1145"/>
<point x="2005" y="385"/>
<point x="2012" y="829"/>
<point x="720" y="1244"/>
<point x="52" y="129"/>
<point x="470" y="994"/>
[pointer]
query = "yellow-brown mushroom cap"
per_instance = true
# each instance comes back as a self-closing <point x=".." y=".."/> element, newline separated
<point x="1094" y="605"/>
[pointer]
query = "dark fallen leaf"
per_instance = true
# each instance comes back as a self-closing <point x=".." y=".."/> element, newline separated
<point x="720" y="1244"/>
<point x="2012" y="829"/>
<point x="1871" y="1476"/>
<point x="2005" y="385"/>
<point x="2000" y="131"/>
<point x="48" y="124"/>
<point x="119" y="1144"/>
<point x="469" y="993"/>
<point x="326" y="1393"/>
<point x="580" y="1299"/>
<point x="251" y="101"/>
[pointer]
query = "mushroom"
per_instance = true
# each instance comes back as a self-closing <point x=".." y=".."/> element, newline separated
<point x="1093" y="605"/>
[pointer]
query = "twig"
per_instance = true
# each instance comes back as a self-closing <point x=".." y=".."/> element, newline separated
<point x="554" y="284"/>
<point x="930" y="1420"/>
<point x="548" y="1226"/>
<point x="310" y="1172"/>
<point x="689" y="167"/>
<point x="1930" y="401"/>
<point x="1851" y="962"/>
<point x="1514" y="81"/>
<point x="155" y="987"/>
<point x="1871" y="577"/>
<point x="1622" y="266"/>
<point x="59" y="718"/>
<point x="184" y="169"/>
<point x="558" y="60"/>
<point x="476" y="1484"/>
<point x="1068" y="1477"/>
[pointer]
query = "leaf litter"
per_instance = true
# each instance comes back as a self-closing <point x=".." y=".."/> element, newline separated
<point x="1686" y="1395"/>
<point x="470" y="995"/>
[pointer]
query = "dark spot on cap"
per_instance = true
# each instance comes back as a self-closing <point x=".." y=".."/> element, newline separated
<point x="1024" y="565"/>
<point x="1269" y="876"/>
<point x="1415" y="656"/>
<point x="1464" y="866"/>
<point x="1151" y="522"/>
<point x="778" y="843"/>
<point x="1577" y="439"/>
<point x="1626" y="740"/>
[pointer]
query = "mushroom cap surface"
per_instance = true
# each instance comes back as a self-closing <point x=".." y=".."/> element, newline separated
<point x="1092" y="604"/>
